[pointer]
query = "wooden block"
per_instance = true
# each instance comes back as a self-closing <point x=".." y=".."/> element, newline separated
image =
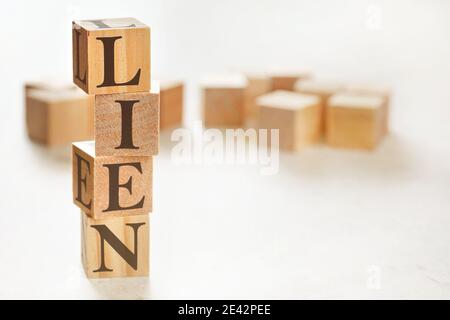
<point x="106" y="187"/>
<point x="296" y="115"/>
<point x="368" y="90"/>
<point x="111" y="55"/>
<point x="50" y="84"/>
<point x="223" y="101"/>
<point x="127" y="124"/>
<point x="115" y="247"/>
<point x="373" y="90"/>
<point x="323" y="90"/>
<point x="287" y="80"/>
<point x="354" y="121"/>
<point x="257" y="85"/>
<point x="171" y="109"/>
<point x="59" y="117"/>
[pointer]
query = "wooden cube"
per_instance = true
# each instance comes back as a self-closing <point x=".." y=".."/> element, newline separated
<point x="59" y="117"/>
<point x="48" y="84"/>
<point x="127" y="124"/>
<point x="287" y="80"/>
<point x="223" y="101"/>
<point x="171" y="109"/>
<point x="106" y="187"/>
<point x="115" y="247"/>
<point x="374" y="90"/>
<point x="296" y="115"/>
<point x="111" y="55"/>
<point x="257" y="85"/>
<point x="322" y="89"/>
<point x="354" y="121"/>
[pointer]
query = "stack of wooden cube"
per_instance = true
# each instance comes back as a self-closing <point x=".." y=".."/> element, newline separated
<point x="112" y="176"/>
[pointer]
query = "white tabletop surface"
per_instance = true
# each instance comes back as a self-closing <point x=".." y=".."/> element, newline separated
<point x="328" y="225"/>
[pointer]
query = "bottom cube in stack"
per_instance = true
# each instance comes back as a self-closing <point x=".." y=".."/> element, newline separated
<point x="115" y="247"/>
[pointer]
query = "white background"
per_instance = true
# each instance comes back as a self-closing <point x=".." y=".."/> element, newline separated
<point x="327" y="225"/>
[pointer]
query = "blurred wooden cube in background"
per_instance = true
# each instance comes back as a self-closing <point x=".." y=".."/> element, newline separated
<point x="296" y="115"/>
<point x="223" y="101"/>
<point x="323" y="90"/>
<point x="286" y="80"/>
<point x="58" y="115"/>
<point x="257" y="85"/>
<point x="354" y="121"/>
<point x="49" y="84"/>
<point x="374" y="90"/>
<point x="171" y="104"/>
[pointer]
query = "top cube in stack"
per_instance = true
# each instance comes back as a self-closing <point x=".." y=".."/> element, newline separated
<point x="112" y="177"/>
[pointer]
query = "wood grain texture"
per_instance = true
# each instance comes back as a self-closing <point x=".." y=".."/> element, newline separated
<point x="144" y="131"/>
<point x="114" y="264"/>
<point x="59" y="117"/>
<point x="223" y="107"/>
<point x="297" y="116"/>
<point x="95" y="191"/>
<point x="354" y="122"/>
<point x="131" y="54"/>
<point x="171" y="104"/>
